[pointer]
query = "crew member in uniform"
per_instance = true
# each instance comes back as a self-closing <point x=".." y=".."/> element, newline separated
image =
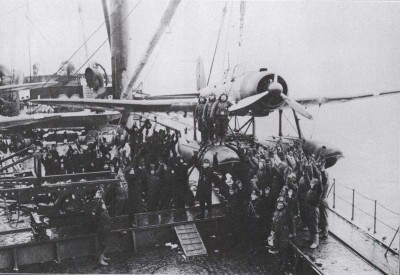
<point x="220" y="114"/>
<point x="204" y="188"/>
<point x="198" y="112"/>
<point x="313" y="201"/>
<point x="323" y="206"/>
<point x="102" y="218"/>
<point x="209" y="123"/>
<point x="134" y="203"/>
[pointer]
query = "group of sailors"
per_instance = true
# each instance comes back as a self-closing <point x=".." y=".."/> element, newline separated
<point x="97" y="157"/>
<point x="212" y="116"/>
<point x="271" y="188"/>
<point x="277" y="188"/>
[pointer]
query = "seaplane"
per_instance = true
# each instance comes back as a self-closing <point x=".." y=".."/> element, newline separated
<point x="252" y="94"/>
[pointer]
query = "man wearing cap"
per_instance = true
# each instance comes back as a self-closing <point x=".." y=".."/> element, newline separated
<point x="323" y="206"/>
<point x="313" y="201"/>
<point x="209" y="122"/>
<point x="220" y="114"/>
<point x="204" y="187"/>
<point x="102" y="218"/>
<point x="198" y="112"/>
<point x="153" y="186"/>
<point x="134" y="203"/>
<point x="278" y="222"/>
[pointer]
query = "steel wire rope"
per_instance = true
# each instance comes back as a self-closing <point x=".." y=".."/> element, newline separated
<point x="98" y="48"/>
<point x="394" y="212"/>
<point x="216" y="45"/>
<point x="159" y="50"/>
<point x="288" y="121"/>
<point x="87" y="40"/>
<point x="315" y="122"/>
<point x="388" y="209"/>
<point x="14" y="10"/>
<point x="349" y="203"/>
<point x="227" y="37"/>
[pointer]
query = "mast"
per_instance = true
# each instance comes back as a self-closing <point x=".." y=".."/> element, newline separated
<point x="164" y="22"/>
<point x="119" y="46"/>
<point x="107" y="19"/>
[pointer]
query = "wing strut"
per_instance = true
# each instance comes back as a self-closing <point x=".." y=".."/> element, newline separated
<point x="297" y="120"/>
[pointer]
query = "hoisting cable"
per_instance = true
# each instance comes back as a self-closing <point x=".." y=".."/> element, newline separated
<point x="216" y="45"/>
<point x="289" y="121"/>
<point x="14" y="10"/>
<point x="69" y="59"/>
<point x="82" y="26"/>
<point x="242" y="13"/>
<point x="163" y="38"/>
<point x="227" y="39"/>
<point x="312" y="132"/>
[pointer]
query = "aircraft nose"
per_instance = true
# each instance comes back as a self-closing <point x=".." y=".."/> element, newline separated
<point x="275" y="87"/>
<point x="332" y="155"/>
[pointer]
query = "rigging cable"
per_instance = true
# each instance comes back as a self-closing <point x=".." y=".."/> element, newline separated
<point x="101" y="45"/>
<point x="216" y="46"/>
<point x="289" y="121"/>
<point x="227" y="39"/>
<point x="312" y="132"/>
<point x="242" y="13"/>
<point x="69" y="59"/>
<point x="82" y="26"/>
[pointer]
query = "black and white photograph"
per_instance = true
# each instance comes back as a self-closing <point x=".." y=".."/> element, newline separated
<point x="200" y="137"/>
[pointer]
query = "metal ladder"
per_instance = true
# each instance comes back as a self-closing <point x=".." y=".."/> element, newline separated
<point x="190" y="240"/>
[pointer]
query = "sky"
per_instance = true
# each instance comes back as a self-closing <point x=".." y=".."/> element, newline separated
<point x="329" y="48"/>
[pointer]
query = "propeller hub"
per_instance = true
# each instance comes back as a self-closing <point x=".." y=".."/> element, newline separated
<point x="275" y="87"/>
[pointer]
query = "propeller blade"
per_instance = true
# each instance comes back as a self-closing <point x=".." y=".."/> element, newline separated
<point x="247" y="101"/>
<point x="297" y="107"/>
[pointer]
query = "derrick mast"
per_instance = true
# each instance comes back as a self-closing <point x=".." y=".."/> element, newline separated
<point x="119" y="41"/>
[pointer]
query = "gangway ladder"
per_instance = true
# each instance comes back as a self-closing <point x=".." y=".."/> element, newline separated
<point x="190" y="240"/>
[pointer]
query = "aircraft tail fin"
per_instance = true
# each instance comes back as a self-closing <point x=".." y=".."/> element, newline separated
<point x="200" y="75"/>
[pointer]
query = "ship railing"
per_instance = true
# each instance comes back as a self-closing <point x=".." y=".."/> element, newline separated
<point x="373" y="204"/>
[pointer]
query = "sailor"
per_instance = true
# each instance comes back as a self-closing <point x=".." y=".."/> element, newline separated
<point x="304" y="187"/>
<point x="209" y="122"/>
<point x="220" y="114"/>
<point x="313" y="202"/>
<point x="134" y="202"/>
<point x="278" y="222"/>
<point x="102" y="225"/>
<point x="204" y="188"/>
<point x="198" y="112"/>
<point x="181" y="183"/>
<point x="323" y="207"/>
<point x="253" y="213"/>
<point x="153" y="186"/>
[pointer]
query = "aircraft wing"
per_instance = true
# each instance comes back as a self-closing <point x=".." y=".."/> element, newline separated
<point x="24" y="86"/>
<point x="121" y="105"/>
<point x="177" y="96"/>
<point x="339" y="99"/>
<point x="7" y="123"/>
<point x="57" y="120"/>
